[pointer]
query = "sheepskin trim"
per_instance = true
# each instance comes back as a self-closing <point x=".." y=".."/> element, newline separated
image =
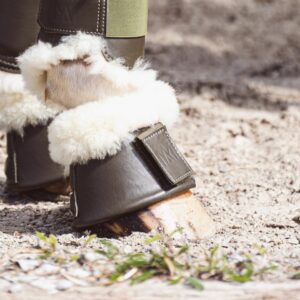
<point x="97" y="129"/>
<point x="121" y="100"/>
<point x="18" y="107"/>
<point x="43" y="64"/>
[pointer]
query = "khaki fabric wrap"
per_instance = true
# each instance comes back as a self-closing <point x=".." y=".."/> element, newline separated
<point x="126" y="18"/>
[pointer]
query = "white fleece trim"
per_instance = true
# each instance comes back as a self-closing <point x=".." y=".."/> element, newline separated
<point x="18" y="107"/>
<point x="125" y="100"/>
<point x="115" y="78"/>
<point x="97" y="129"/>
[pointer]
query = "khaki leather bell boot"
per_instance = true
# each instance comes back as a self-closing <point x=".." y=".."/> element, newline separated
<point x="112" y="133"/>
<point x="22" y="116"/>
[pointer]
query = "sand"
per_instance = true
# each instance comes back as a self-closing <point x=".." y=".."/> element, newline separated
<point x="235" y="66"/>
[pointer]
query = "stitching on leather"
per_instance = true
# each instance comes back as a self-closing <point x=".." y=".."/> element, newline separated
<point x="74" y="186"/>
<point x="177" y="179"/>
<point x="103" y="17"/>
<point x="15" y="167"/>
<point x="9" y="69"/>
<point x="8" y="63"/>
<point x="75" y="192"/>
<point x="15" y="163"/>
<point x="66" y="31"/>
<point x="98" y="14"/>
<point x="56" y="30"/>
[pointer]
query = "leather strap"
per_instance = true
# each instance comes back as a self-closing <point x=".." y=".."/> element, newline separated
<point x="108" y="18"/>
<point x="165" y="153"/>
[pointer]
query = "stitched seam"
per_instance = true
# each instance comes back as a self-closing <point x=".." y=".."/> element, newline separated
<point x="9" y="69"/>
<point x="56" y="30"/>
<point x="103" y="17"/>
<point x="15" y="167"/>
<point x="8" y="63"/>
<point x="98" y="14"/>
<point x="75" y="203"/>
<point x="74" y="191"/>
<point x="72" y="31"/>
<point x="177" y="179"/>
<point x="154" y="134"/>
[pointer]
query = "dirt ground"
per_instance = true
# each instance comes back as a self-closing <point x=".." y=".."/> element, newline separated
<point x="236" y="67"/>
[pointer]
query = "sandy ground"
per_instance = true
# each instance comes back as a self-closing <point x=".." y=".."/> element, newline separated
<point x="236" y="67"/>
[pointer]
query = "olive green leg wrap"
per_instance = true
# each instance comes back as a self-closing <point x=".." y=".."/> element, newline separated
<point x="122" y="23"/>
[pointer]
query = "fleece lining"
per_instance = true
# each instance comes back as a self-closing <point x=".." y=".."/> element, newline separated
<point x="19" y="108"/>
<point x="103" y="104"/>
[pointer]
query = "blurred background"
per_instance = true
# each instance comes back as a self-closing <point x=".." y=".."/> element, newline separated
<point x="215" y="43"/>
<point x="236" y="67"/>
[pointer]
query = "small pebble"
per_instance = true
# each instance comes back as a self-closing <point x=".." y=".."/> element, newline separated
<point x="28" y="265"/>
<point x="63" y="285"/>
<point x="80" y="273"/>
<point x="92" y="256"/>
<point x="14" y="289"/>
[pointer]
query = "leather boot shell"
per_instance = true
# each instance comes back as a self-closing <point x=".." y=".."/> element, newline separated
<point x="134" y="178"/>
<point x="29" y="165"/>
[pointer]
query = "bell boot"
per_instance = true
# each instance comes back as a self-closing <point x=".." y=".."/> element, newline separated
<point x="22" y="116"/>
<point x="146" y="170"/>
<point x="126" y="171"/>
<point x="112" y="135"/>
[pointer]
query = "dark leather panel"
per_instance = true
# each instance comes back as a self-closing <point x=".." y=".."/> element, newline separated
<point x="29" y="165"/>
<point x="70" y="16"/>
<point x="18" y="30"/>
<point x="126" y="182"/>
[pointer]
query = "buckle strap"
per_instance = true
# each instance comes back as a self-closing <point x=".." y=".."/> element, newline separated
<point x="161" y="147"/>
<point x="9" y="64"/>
